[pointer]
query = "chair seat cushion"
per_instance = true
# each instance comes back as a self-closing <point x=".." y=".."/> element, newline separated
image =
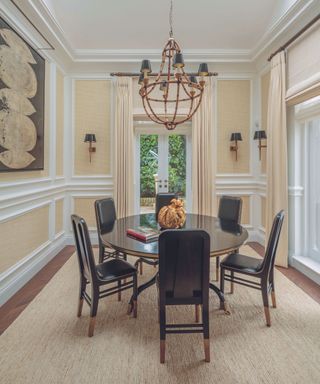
<point x="114" y="269"/>
<point x="241" y="263"/>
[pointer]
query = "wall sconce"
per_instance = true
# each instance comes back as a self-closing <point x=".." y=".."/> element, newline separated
<point x="90" y="138"/>
<point x="234" y="147"/>
<point x="260" y="135"/>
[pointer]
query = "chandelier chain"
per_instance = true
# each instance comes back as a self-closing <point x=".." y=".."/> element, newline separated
<point x="171" y="19"/>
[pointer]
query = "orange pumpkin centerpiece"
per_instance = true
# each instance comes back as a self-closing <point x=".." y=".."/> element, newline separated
<point x="172" y="215"/>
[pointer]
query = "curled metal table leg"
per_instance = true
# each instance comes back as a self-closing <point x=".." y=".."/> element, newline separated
<point x="223" y="303"/>
<point x="141" y="288"/>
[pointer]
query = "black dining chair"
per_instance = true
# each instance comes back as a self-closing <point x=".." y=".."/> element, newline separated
<point x="257" y="268"/>
<point x="105" y="217"/>
<point x="163" y="199"/>
<point x="108" y="272"/>
<point x="184" y="280"/>
<point x="230" y="208"/>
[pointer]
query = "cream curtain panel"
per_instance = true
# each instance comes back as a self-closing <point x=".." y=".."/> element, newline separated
<point x="303" y="67"/>
<point x="277" y="167"/>
<point x="203" y="160"/>
<point x="124" y="148"/>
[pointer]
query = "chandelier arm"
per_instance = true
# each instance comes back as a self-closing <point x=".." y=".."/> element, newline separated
<point x="177" y="103"/>
<point x="155" y="120"/>
<point x="152" y="111"/>
<point x="173" y="101"/>
<point x="185" y="89"/>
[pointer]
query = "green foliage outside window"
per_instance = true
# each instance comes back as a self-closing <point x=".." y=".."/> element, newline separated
<point x="149" y="164"/>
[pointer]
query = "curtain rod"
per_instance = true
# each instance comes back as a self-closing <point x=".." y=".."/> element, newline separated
<point x="298" y="34"/>
<point x="137" y="74"/>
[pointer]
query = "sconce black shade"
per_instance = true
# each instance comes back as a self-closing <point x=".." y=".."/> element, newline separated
<point x="236" y="136"/>
<point x="163" y="86"/>
<point x="90" y="138"/>
<point x="259" y="135"/>
<point x="140" y="81"/>
<point x="203" y="69"/>
<point x="145" y="66"/>
<point x="178" y="61"/>
<point x="193" y="79"/>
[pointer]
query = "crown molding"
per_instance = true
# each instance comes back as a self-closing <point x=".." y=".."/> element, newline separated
<point x="281" y="26"/>
<point x="300" y="9"/>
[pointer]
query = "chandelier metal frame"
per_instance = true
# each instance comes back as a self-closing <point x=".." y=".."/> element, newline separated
<point x="186" y="88"/>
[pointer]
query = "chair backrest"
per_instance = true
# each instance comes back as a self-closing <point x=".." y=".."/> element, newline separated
<point x="270" y="255"/>
<point x="230" y="208"/>
<point x="163" y="199"/>
<point x="86" y="261"/>
<point x="105" y="214"/>
<point x="184" y="266"/>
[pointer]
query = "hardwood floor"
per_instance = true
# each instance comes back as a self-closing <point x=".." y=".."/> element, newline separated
<point x="13" y="307"/>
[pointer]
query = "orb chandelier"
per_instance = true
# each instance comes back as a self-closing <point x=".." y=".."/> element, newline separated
<point x="171" y="98"/>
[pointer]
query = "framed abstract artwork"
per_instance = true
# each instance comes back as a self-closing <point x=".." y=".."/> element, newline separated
<point x="22" y="93"/>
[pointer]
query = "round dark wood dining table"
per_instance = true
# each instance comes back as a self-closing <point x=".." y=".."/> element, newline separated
<point x="225" y="237"/>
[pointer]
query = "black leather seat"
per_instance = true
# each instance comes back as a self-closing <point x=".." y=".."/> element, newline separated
<point x="230" y="208"/>
<point x="113" y="271"/>
<point x="260" y="269"/>
<point x="184" y="280"/>
<point x="236" y="261"/>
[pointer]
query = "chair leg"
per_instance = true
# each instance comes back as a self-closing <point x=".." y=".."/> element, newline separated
<point x="264" y="291"/>
<point x="162" y="351"/>
<point x="222" y="280"/>
<point x="231" y="282"/>
<point x="197" y="313"/>
<point x="119" y="293"/>
<point x="93" y="311"/>
<point x="81" y="294"/>
<point x="273" y="294"/>
<point x="101" y="253"/>
<point x="206" y="343"/>
<point x="162" y="319"/>
<point x="80" y="305"/>
<point x="217" y="267"/>
<point x="141" y="267"/>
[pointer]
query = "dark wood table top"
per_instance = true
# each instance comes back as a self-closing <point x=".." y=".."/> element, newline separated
<point x="225" y="236"/>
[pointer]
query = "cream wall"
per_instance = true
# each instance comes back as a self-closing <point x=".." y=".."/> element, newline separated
<point x="233" y="115"/>
<point x="59" y="209"/>
<point x="92" y="99"/>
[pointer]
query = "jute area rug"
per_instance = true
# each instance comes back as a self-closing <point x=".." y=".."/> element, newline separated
<point x="48" y="344"/>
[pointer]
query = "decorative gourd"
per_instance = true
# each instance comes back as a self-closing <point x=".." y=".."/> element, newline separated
<point x="172" y="215"/>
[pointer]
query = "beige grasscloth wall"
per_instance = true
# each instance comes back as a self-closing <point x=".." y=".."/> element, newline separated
<point x="14" y="176"/>
<point x="233" y="115"/>
<point x="84" y="207"/>
<point x="92" y="115"/>
<point x="32" y="228"/>
<point x="59" y="122"/>
<point x="264" y="82"/>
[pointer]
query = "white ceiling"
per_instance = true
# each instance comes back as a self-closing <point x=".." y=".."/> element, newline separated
<point x="143" y="24"/>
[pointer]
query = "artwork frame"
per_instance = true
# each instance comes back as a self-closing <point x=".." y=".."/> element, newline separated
<point x="22" y="103"/>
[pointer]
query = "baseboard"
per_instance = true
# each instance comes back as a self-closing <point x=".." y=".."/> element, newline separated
<point x="307" y="266"/>
<point x="17" y="276"/>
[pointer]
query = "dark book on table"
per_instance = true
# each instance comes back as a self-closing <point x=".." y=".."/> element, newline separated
<point x="144" y="233"/>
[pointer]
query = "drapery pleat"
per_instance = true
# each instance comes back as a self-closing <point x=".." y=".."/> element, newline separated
<point x="277" y="160"/>
<point x="124" y="148"/>
<point x="203" y="155"/>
